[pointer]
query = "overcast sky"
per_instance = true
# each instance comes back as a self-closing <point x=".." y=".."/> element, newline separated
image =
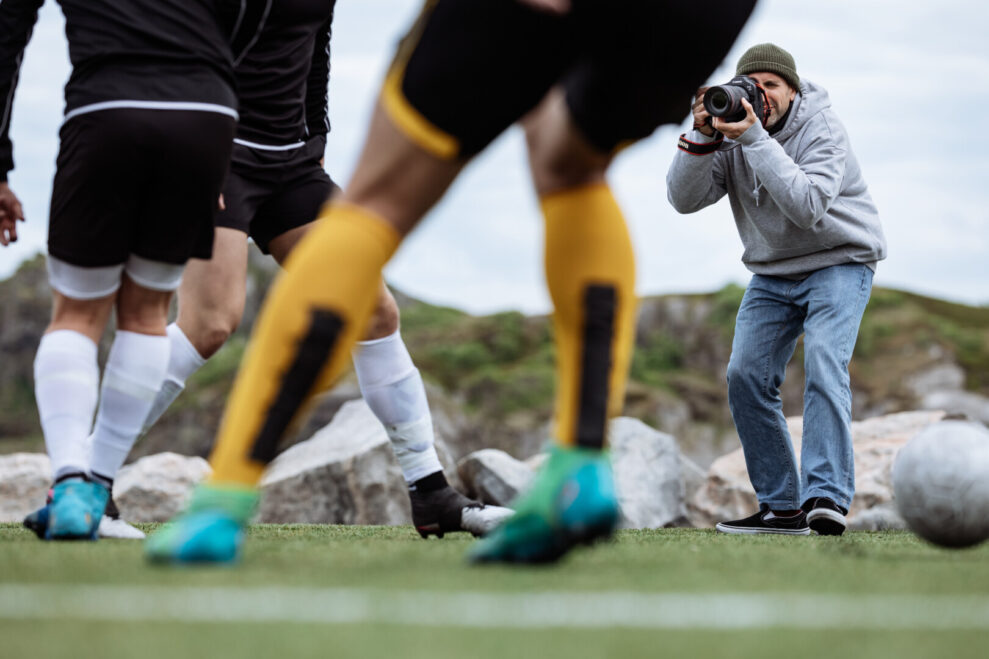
<point x="910" y="81"/>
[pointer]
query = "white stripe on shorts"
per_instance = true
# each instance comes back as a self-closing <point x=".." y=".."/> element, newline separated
<point x="153" y="105"/>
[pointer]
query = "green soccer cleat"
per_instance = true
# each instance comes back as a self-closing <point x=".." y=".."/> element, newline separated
<point x="211" y="530"/>
<point x="572" y="502"/>
<point x="75" y="510"/>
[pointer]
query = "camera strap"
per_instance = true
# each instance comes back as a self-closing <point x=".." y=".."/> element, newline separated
<point x="697" y="148"/>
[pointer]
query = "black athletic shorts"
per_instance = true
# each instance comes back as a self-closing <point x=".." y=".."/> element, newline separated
<point x="138" y="181"/>
<point x="269" y="192"/>
<point x="470" y="68"/>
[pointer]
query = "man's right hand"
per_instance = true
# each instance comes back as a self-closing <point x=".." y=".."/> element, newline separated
<point x="701" y="116"/>
<point x="10" y="213"/>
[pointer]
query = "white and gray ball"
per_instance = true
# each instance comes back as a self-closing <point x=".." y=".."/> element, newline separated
<point x="941" y="483"/>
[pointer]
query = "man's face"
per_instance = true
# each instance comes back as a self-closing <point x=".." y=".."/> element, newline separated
<point x="780" y="94"/>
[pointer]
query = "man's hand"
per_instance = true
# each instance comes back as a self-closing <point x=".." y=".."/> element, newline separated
<point x="734" y="130"/>
<point x="10" y="213"/>
<point x="558" y="7"/>
<point x="700" y="114"/>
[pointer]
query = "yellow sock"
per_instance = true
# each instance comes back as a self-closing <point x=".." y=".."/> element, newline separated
<point x="590" y="271"/>
<point x="313" y="315"/>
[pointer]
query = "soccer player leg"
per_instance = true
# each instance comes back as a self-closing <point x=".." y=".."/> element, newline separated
<point x="393" y="389"/>
<point x="590" y="272"/>
<point x="211" y="304"/>
<point x="66" y="378"/>
<point x="133" y="374"/>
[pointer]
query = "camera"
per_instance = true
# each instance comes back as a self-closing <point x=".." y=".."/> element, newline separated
<point x="725" y="100"/>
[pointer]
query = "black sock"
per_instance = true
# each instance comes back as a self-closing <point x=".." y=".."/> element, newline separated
<point x="434" y="481"/>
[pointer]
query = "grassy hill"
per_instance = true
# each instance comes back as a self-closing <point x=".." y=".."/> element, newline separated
<point x="491" y="376"/>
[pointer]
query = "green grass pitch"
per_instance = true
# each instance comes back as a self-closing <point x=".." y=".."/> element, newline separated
<point x="332" y="591"/>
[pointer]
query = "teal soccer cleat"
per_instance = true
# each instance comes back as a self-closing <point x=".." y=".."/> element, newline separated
<point x="572" y="502"/>
<point x="75" y="510"/>
<point x="210" y="531"/>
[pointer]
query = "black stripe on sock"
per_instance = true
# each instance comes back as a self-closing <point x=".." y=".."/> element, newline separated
<point x="600" y="303"/>
<point x="314" y="350"/>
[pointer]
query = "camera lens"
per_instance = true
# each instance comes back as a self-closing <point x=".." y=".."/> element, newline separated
<point x="719" y="101"/>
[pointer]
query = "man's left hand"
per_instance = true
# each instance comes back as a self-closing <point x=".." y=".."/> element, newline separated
<point x="735" y="129"/>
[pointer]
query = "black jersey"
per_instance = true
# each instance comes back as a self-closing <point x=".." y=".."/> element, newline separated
<point x="282" y="64"/>
<point x="127" y="53"/>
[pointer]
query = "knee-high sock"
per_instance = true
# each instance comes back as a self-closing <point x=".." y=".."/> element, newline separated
<point x="183" y="361"/>
<point x="66" y="386"/>
<point x="590" y="271"/>
<point x="313" y="316"/>
<point x="132" y="377"/>
<point x="393" y="389"/>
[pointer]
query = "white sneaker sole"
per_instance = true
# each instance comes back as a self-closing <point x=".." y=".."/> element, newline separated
<point x="827" y="514"/>
<point x="739" y="530"/>
<point x="119" y="529"/>
<point x="481" y="521"/>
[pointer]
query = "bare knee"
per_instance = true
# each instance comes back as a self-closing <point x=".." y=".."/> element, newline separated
<point x="385" y="318"/>
<point x="210" y="329"/>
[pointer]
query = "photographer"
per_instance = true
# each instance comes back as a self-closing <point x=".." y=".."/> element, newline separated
<point x="812" y="238"/>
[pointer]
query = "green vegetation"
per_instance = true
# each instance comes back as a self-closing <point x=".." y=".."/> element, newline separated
<point x="379" y="564"/>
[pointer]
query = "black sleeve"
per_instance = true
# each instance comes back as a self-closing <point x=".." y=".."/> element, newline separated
<point x="317" y="83"/>
<point x="17" y="19"/>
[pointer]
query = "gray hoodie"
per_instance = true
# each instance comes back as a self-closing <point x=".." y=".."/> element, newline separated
<point x="798" y="197"/>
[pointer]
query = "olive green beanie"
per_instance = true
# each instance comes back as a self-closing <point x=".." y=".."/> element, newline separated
<point x="769" y="57"/>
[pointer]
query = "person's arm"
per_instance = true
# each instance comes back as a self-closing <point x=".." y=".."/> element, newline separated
<point x="17" y="19"/>
<point x="696" y="177"/>
<point x="803" y="189"/>
<point x="317" y="84"/>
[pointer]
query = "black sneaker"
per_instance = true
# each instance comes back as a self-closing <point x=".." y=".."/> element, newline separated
<point x="825" y="516"/>
<point x="447" y="511"/>
<point x="766" y="521"/>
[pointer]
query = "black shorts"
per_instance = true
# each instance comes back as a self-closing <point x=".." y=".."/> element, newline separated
<point x="137" y="181"/>
<point x="270" y="192"/>
<point x="470" y="68"/>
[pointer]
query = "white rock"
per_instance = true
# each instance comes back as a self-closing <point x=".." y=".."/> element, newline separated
<point x="728" y="494"/>
<point x="493" y="476"/>
<point x="24" y="482"/>
<point x="647" y="475"/>
<point x="157" y="487"/>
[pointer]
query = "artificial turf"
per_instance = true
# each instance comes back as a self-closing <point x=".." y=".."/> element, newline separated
<point x="385" y="563"/>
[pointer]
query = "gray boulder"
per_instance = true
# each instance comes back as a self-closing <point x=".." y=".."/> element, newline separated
<point x="648" y="475"/>
<point x="345" y="474"/>
<point x="157" y="487"/>
<point x="728" y="494"/>
<point x="494" y="477"/>
<point x="24" y="482"/>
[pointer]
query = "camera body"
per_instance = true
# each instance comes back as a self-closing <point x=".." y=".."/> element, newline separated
<point x="725" y="100"/>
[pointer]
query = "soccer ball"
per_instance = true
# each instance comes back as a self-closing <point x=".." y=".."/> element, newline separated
<point x="941" y="483"/>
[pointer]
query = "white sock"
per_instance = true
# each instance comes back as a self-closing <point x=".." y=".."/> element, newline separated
<point x="393" y="389"/>
<point x="183" y="361"/>
<point x="66" y="387"/>
<point x="131" y="379"/>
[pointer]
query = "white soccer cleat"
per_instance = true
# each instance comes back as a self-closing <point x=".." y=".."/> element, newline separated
<point x="117" y="528"/>
<point x="482" y="520"/>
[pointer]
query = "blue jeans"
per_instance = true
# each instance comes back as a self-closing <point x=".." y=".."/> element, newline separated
<point x="827" y="307"/>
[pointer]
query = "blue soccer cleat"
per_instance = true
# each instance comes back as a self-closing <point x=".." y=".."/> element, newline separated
<point x="210" y="531"/>
<point x="572" y="502"/>
<point x="75" y="510"/>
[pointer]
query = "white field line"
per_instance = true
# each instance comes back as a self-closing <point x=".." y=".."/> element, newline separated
<point x="553" y="609"/>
